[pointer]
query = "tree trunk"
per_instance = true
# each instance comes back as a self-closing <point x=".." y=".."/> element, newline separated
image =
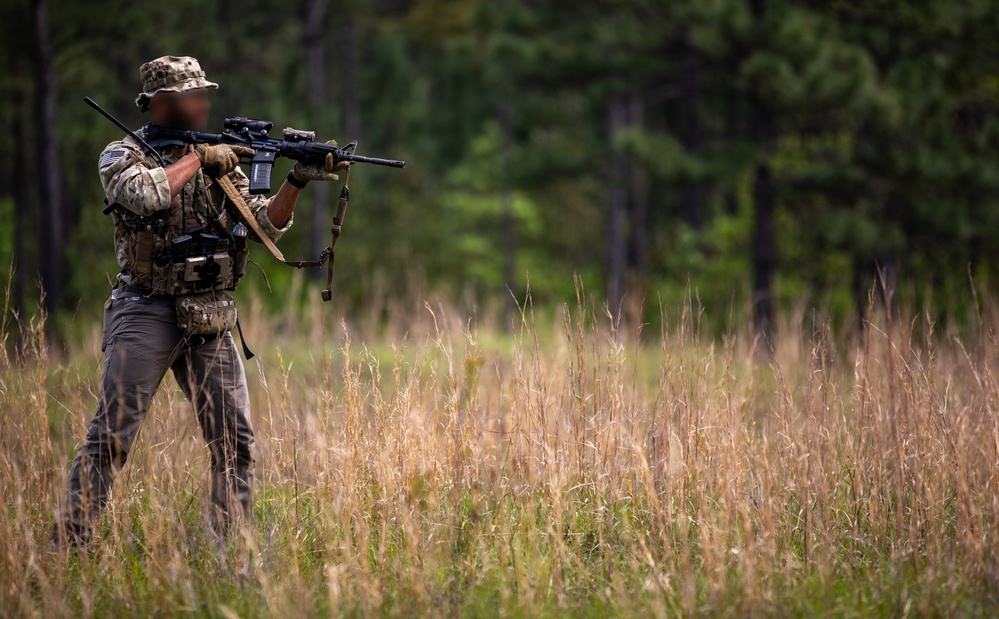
<point x="690" y="203"/>
<point x="315" y="40"/>
<point x="227" y="98"/>
<point x="638" y="200"/>
<point x="616" y="205"/>
<point x="764" y="245"/>
<point x="23" y="204"/>
<point x="764" y="257"/>
<point x="508" y="226"/>
<point x="349" y="69"/>
<point x="52" y="239"/>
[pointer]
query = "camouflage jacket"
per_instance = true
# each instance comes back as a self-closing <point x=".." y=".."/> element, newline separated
<point x="136" y="182"/>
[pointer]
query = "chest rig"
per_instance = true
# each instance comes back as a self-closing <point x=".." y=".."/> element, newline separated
<point x="195" y="246"/>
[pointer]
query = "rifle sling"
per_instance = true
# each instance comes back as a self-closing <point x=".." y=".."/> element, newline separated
<point x="233" y="194"/>
<point x="325" y="257"/>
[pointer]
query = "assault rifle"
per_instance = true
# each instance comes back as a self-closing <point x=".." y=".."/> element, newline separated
<point x="298" y="145"/>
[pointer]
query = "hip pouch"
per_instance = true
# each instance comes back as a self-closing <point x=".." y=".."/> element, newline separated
<point x="206" y="313"/>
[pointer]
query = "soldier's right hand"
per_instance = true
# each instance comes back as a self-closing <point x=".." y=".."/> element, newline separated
<point x="221" y="159"/>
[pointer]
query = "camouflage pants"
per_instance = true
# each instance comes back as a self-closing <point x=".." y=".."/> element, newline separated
<point x="141" y="341"/>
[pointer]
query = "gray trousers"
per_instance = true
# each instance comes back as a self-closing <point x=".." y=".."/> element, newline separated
<point x="141" y="341"/>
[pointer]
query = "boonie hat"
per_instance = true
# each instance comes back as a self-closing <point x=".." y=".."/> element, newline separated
<point x="170" y="74"/>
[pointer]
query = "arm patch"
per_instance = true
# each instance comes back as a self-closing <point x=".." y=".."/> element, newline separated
<point x="108" y="157"/>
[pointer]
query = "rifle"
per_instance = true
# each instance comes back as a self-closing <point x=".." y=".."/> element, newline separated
<point x="297" y="145"/>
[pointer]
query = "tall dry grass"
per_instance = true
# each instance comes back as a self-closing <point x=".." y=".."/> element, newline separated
<point x="566" y="466"/>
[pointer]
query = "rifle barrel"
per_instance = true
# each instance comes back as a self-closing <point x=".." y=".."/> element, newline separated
<point x="392" y="163"/>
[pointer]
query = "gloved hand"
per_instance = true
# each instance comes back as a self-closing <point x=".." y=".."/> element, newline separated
<point x="321" y="172"/>
<point x="221" y="159"/>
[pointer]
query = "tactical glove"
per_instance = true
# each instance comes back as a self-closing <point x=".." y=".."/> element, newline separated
<point x="321" y="172"/>
<point x="221" y="159"/>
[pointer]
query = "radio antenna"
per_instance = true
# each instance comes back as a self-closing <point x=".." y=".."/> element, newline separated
<point x="152" y="151"/>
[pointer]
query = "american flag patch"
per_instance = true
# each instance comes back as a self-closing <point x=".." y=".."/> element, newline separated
<point x="108" y="157"/>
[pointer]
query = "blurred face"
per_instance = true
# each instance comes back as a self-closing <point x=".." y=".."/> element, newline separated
<point x="182" y="110"/>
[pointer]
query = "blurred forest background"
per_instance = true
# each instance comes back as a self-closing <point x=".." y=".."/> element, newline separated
<point x="767" y="153"/>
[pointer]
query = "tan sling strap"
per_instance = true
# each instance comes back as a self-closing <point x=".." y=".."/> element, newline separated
<point x="233" y="194"/>
<point x="325" y="257"/>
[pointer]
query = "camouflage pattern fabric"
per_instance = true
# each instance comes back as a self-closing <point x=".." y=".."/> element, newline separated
<point x="170" y="74"/>
<point x="209" y="313"/>
<point x="150" y="219"/>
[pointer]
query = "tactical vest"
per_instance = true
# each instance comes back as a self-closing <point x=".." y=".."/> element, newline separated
<point x="192" y="247"/>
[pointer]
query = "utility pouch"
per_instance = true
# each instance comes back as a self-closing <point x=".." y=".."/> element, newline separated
<point x="143" y="262"/>
<point x="207" y="313"/>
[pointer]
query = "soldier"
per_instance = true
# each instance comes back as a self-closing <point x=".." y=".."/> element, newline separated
<point x="177" y="237"/>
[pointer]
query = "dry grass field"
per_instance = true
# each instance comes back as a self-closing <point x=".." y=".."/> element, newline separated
<point x="434" y="467"/>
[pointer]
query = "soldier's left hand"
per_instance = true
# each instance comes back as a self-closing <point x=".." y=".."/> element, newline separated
<point x="221" y="159"/>
<point x="326" y="172"/>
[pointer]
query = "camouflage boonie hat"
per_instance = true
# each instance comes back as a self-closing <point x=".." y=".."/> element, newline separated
<point x="170" y="74"/>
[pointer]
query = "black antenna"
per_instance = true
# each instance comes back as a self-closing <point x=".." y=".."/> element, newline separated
<point x="152" y="151"/>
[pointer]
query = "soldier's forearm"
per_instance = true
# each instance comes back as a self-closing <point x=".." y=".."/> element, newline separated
<point x="180" y="172"/>
<point x="282" y="205"/>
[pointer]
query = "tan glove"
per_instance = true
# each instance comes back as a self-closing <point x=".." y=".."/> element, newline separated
<point x="221" y="159"/>
<point x="305" y="173"/>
